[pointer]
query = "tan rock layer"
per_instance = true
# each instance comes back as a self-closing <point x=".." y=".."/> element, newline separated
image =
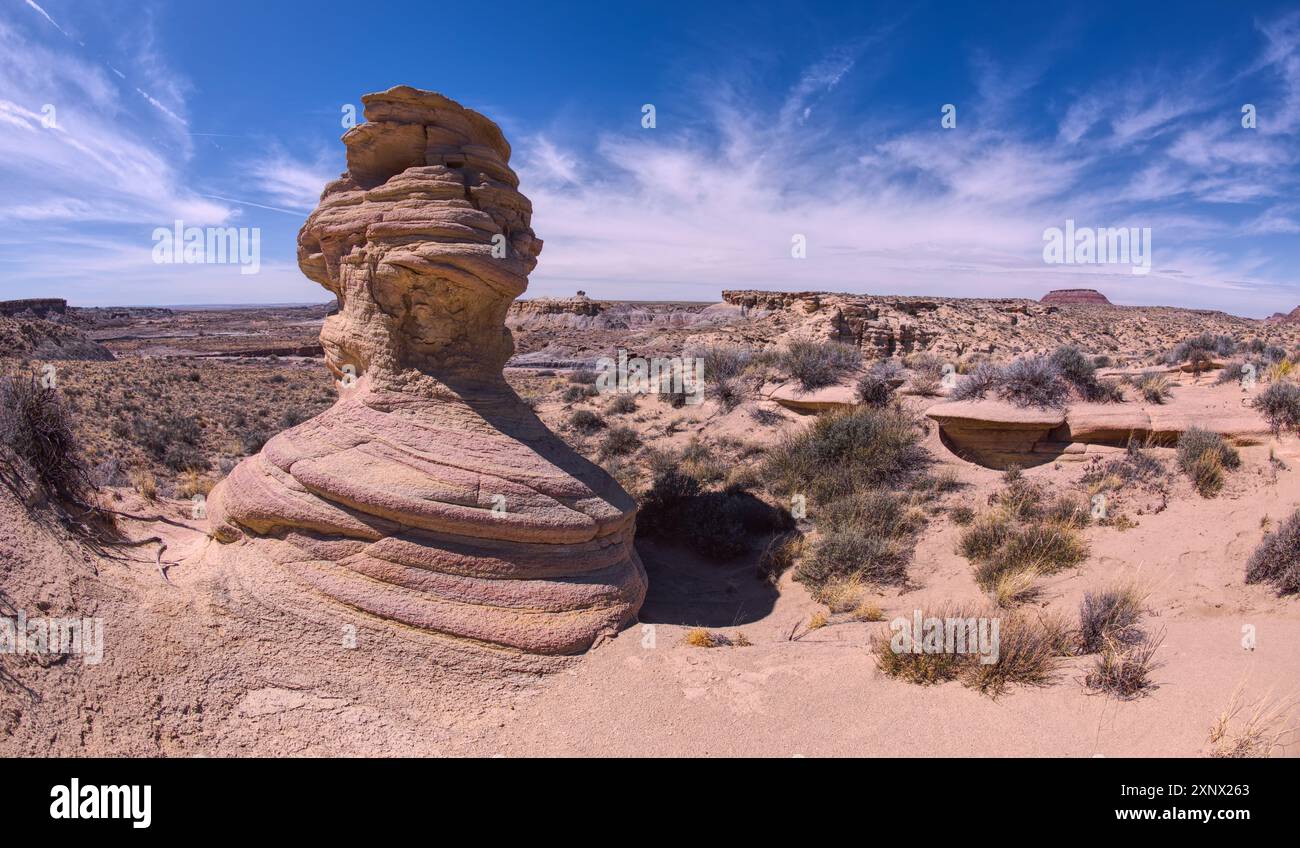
<point x="430" y="495"/>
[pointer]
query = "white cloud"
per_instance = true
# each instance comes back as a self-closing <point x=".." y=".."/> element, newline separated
<point x="286" y="181"/>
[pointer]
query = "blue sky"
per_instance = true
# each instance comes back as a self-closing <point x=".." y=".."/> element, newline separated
<point x="772" y="120"/>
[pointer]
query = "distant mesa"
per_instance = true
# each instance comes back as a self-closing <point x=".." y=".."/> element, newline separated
<point x="41" y="307"/>
<point x="1069" y="296"/>
<point x="1292" y="317"/>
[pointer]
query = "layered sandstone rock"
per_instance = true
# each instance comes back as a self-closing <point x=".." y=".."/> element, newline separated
<point x="430" y="494"/>
<point x="997" y="434"/>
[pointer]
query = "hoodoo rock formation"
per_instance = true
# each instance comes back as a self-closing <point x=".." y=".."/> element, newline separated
<point x="1075" y="296"/>
<point x="430" y="494"/>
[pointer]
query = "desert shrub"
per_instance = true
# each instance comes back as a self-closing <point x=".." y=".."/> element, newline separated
<point x="1101" y="361"/>
<point x="575" y="394"/>
<point x="961" y="515"/>
<point x="1233" y="372"/>
<point x="1109" y="615"/>
<point x="876" y="387"/>
<point x="583" y="377"/>
<point x="292" y="417"/>
<point x="1277" y="559"/>
<point x="1078" y="371"/>
<point x="845" y="451"/>
<point x="819" y="364"/>
<point x="1205" y="345"/>
<point x="1280" y="406"/>
<point x="1033" y="381"/>
<point x="976" y="384"/>
<point x="36" y="431"/>
<point x="1203" y="456"/>
<point x="723" y="361"/>
<point x="927" y="373"/>
<point x="1273" y="353"/>
<point x="620" y="441"/>
<point x="1124" y="670"/>
<point x="852" y="552"/>
<point x="1026" y="381"/>
<point x="621" y="404"/>
<point x="586" y="421"/>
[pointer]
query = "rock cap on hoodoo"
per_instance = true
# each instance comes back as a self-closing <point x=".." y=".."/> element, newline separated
<point x="1074" y="296"/>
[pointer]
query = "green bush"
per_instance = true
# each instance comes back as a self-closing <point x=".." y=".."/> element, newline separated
<point x="845" y="451"/>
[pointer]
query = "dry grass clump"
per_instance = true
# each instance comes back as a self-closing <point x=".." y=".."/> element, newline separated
<point x="698" y="637"/>
<point x="1279" y="371"/>
<point x="145" y="483"/>
<point x="818" y="364"/>
<point x="1022" y="536"/>
<point x="1154" y="388"/>
<point x="1124" y="669"/>
<point x="1277" y="559"/>
<point x="1029" y="649"/>
<point x="1110" y="616"/>
<point x="1253" y="729"/>
<point x="1029" y="652"/>
<point x="193" y="483"/>
<point x="1203" y="456"/>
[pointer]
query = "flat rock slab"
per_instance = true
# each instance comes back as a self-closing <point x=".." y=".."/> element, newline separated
<point x="791" y="396"/>
<point x="995" y="415"/>
<point x="997" y="434"/>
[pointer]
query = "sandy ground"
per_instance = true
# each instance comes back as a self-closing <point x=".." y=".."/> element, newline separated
<point x="213" y="663"/>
